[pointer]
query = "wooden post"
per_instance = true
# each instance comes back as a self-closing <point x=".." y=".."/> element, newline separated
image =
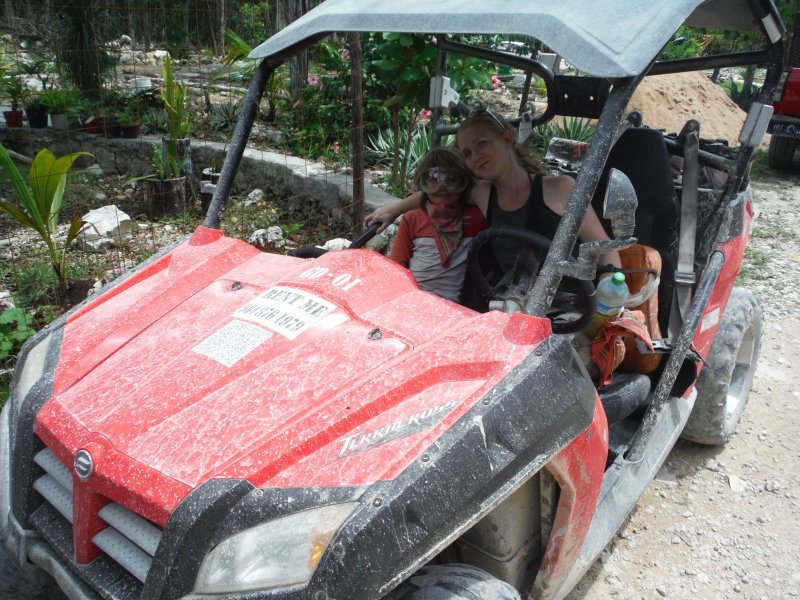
<point x="354" y="41"/>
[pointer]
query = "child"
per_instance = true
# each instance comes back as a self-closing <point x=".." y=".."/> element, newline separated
<point x="432" y="240"/>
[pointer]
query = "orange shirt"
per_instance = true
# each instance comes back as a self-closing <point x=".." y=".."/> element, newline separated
<point x="415" y="247"/>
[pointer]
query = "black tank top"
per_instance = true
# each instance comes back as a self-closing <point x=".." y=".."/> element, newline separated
<point x="534" y="215"/>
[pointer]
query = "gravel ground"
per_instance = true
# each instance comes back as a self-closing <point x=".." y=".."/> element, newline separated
<point x="717" y="522"/>
<point x="724" y="522"/>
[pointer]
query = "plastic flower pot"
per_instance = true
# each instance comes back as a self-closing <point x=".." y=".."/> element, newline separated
<point x="13" y="118"/>
<point x="37" y="115"/>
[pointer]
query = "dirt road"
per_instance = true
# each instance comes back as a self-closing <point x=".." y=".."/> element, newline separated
<point x="725" y="522"/>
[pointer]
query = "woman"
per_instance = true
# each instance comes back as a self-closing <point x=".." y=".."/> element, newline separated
<point x="511" y="188"/>
<point x="432" y="240"/>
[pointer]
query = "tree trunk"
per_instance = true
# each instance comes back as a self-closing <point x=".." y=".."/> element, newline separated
<point x="187" y="12"/>
<point x="9" y="11"/>
<point x="393" y="178"/>
<point x="357" y="214"/>
<point x="223" y="24"/>
<point x="749" y="74"/>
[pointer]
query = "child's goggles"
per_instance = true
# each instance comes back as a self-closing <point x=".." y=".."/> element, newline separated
<point x="434" y="180"/>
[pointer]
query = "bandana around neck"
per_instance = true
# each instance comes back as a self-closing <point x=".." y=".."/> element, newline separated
<point x="447" y="222"/>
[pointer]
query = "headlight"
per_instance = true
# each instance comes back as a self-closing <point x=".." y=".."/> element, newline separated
<point x="32" y="367"/>
<point x="278" y="553"/>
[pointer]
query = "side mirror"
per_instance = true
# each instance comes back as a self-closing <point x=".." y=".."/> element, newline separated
<point x="619" y="204"/>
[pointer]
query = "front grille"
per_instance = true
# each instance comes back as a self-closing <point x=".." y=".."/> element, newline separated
<point x="129" y="540"/>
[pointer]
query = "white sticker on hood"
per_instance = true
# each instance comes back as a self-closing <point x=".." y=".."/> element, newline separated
<point x="232" y="342"/>
<point x="285" y="310"/>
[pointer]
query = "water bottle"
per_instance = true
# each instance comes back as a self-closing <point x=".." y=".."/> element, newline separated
<point x="611" y="295"/>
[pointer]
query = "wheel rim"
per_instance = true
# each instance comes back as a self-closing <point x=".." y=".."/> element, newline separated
<point x="742" y="376"/>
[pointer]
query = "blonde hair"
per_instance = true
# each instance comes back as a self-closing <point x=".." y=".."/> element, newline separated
<point x="498" y="125"/>
<point x="448" y="159"/>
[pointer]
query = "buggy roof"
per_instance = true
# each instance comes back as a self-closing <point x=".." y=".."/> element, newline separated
<point x="605" y="38"/>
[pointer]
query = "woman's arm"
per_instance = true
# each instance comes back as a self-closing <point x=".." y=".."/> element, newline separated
<point x="385" y="215"/>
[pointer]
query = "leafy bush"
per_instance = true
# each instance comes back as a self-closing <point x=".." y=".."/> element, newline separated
<point x="744" y="96"/>
<point x="380" y="148"/>
<point x="154" y="121"/>
<point x="321" y="117"/>
<point x="15" y="328"/>
<point x="224" y="116"/>
<point x="570" y="128"/>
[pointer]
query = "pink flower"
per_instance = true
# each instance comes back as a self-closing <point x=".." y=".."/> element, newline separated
<point x="313" y="81"/>
<point x="344" y="53"/>
<point x="425" y="115"/>
<point x="336" y="147"/>
<point x="496" y="83"/>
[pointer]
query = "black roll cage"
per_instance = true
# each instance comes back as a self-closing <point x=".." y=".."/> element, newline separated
<point x="617" y="93"/>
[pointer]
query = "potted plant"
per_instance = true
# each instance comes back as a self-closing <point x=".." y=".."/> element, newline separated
<point x="37" y="113"/>
<point x="59" y="104"/>
<point x="176" y="103"/>
<point x="166" y="189"/>
<point x="130" y="121"/>
<point x="41" y="201"/>
<point x="130" y="125"/>
<point x="11" y="86"/>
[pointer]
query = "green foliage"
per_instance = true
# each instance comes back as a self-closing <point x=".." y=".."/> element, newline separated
<point x="381" y="147"/>
<point x="399" y="67"/>
<point x="541" y="136"/>
<point x="570" y="128"/>
<point x="15" y="328"/>
<point x="176" y="104"/>
<point x="11" y="86"/>
<point x="224" y="116"/>
<point x="34" y="283"/>
<point x="250" y="21"/>
<point x="686" y="43"/>
<point x="43" y="201"/>
<point x="754" y="261"/>
<point x="154" y="121"/>
<point x="575" y="128"/>
<point x="60" y="101"/>
<point x="744" y="96"/>
<point x="79" y="47"/>
<point x="321" y="117"/>
<point x="238" y="67"/>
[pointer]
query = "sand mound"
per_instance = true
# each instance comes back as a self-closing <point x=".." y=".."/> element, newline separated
<point x="668" y="101"/>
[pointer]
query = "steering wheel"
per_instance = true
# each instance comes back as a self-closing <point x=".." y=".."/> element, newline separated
<point x="314" y="251"/>
<point x="574" y="296"/>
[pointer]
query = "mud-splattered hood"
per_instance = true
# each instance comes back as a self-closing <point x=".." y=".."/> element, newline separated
<point x="218" y="361"/>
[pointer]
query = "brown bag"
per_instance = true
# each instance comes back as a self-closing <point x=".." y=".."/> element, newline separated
<point x="640" y="259"/>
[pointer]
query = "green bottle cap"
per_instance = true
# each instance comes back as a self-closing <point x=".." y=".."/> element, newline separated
<point x="618" y="278"/>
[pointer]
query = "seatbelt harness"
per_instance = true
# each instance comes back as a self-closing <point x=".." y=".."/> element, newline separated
<point x="684" y="273"/>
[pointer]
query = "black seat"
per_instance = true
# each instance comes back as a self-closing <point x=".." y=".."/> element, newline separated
<point x="642" y="155"/>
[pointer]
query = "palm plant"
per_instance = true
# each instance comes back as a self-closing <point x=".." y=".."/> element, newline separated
<point x="176" y="102"/>
<point x="42" y="200"/>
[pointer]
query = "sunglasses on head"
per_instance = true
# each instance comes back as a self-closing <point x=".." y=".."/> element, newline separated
<point x="479" y="108"/>
<point x="434" y="180"/>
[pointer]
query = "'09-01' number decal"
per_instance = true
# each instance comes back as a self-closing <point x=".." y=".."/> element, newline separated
<point x="345" y="280"/>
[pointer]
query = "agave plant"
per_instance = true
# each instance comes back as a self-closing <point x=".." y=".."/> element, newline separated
<point x="42" y="200"/>
<point x="381" y="147"/>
